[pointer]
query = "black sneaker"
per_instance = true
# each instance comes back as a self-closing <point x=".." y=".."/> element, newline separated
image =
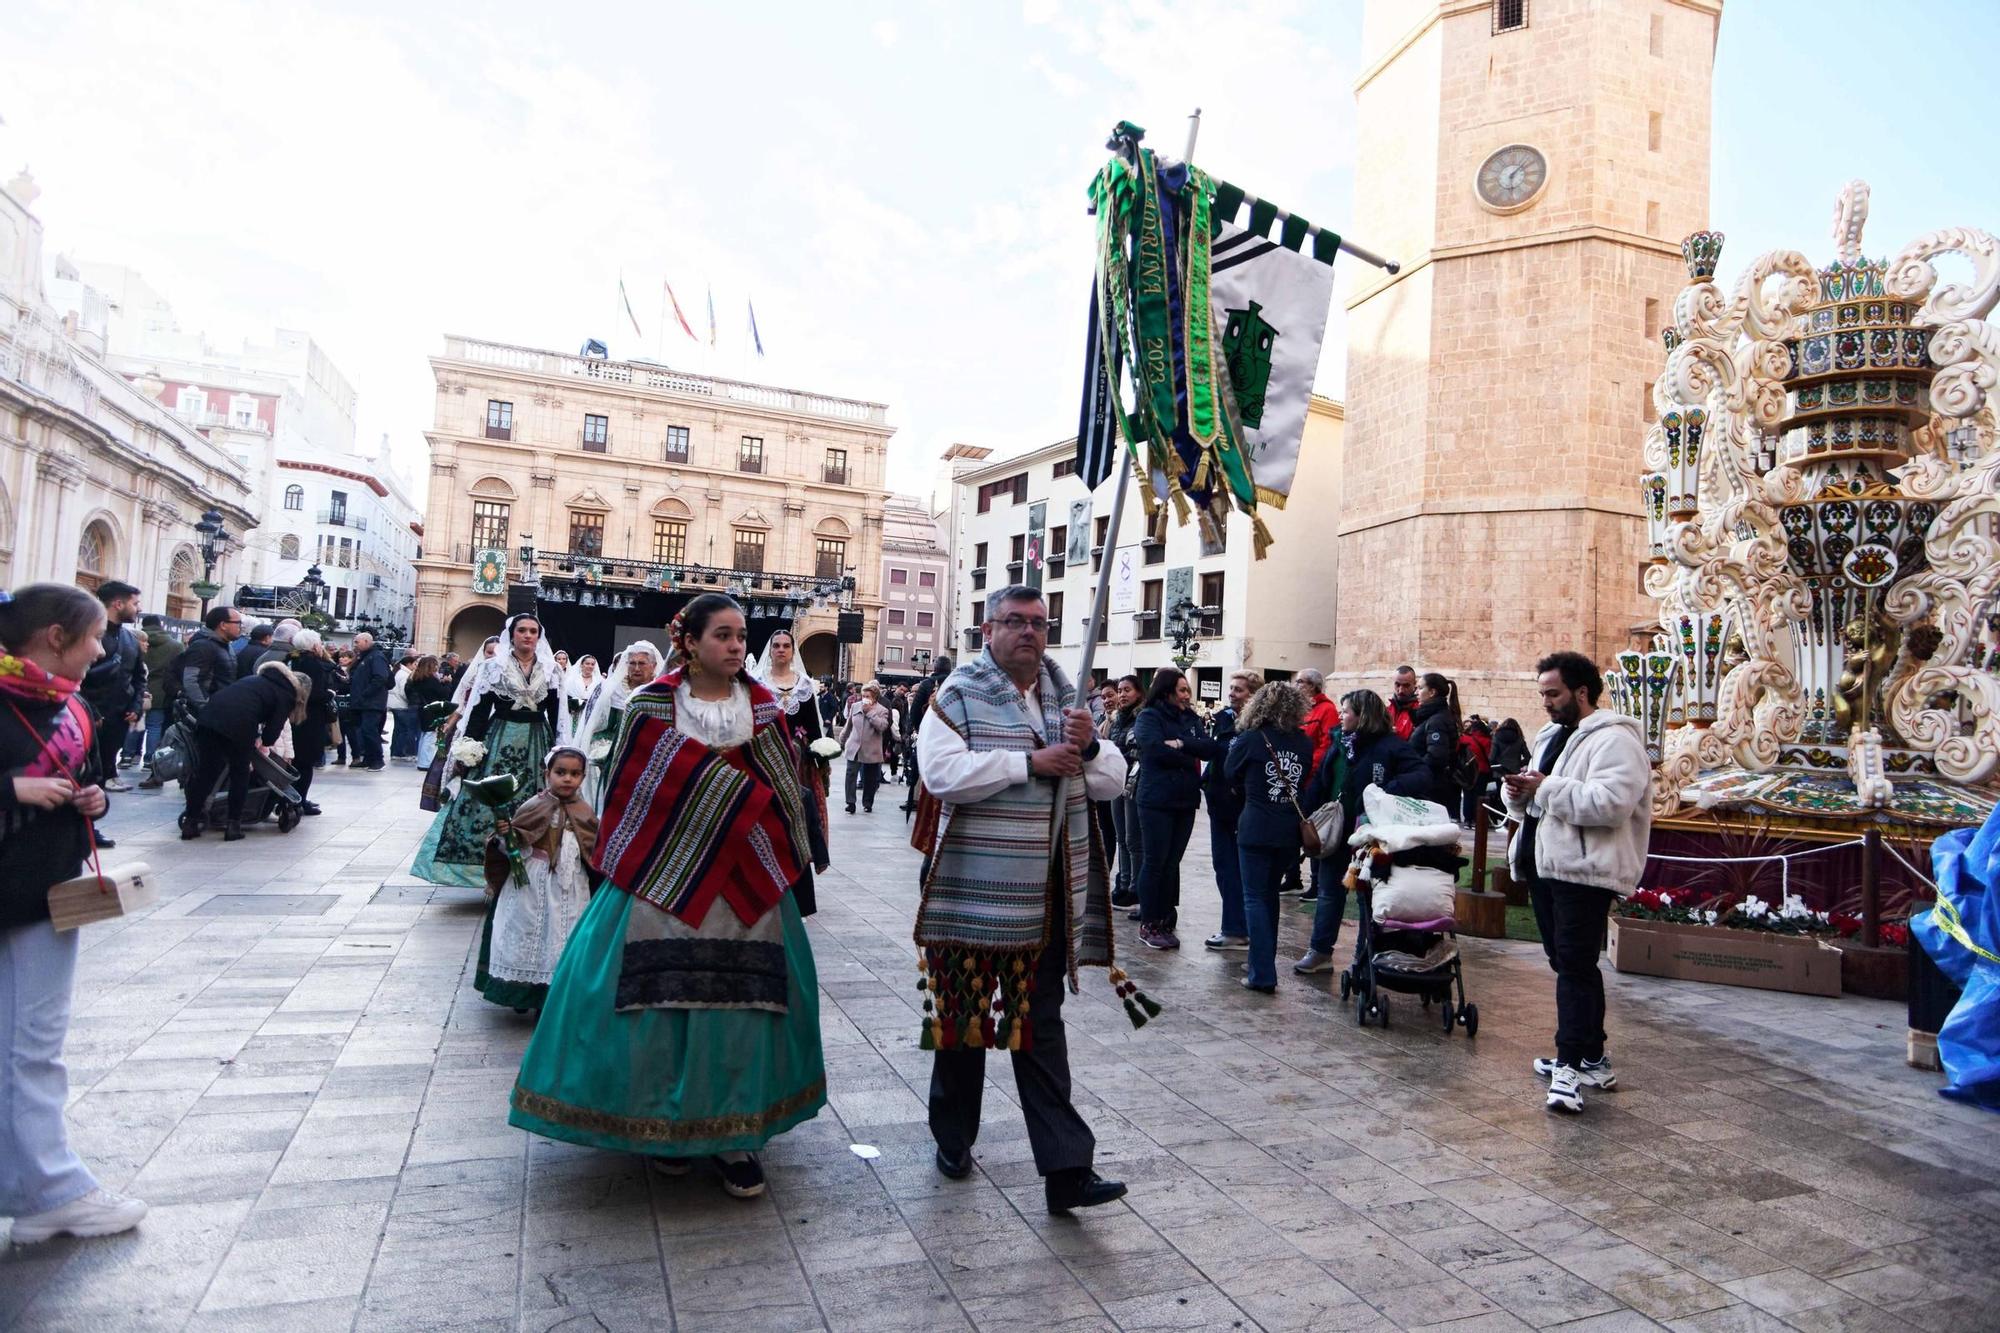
<point x="744" y="1179"/>
<point x="1124" y="898"/>
<point x="1309" y="896"/>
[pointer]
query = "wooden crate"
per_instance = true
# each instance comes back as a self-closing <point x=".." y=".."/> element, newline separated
<point x="123" y="889"/>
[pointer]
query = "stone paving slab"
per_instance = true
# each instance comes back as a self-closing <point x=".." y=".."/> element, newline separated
<point x="286" y="1058"/>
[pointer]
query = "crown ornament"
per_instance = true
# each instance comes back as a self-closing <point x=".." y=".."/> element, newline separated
<point x="1703" y="251"/>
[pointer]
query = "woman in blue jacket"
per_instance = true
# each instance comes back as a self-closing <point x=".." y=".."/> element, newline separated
<point x="1268" y="767"/>
<point x="1171" y="743"/>
<point x="1375" y="756"/>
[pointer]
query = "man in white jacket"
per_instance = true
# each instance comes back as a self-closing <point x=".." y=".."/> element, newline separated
<point x="1585" y="814"/>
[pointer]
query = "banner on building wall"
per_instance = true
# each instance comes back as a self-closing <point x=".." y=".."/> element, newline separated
<point x="1038" y="540"/>
<point x="1180" y="588"/>
<point x="489" y="570"/>
<point x="1079" y="532"/>
<point x="1125" y="580"/>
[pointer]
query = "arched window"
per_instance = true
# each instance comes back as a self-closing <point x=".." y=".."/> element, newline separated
<point x="295" y="497"/>
<point x="288" y="545"/>
<point x="93" y="555"/>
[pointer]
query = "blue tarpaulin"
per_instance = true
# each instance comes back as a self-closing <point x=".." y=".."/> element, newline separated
<point x="1962" y="934"/>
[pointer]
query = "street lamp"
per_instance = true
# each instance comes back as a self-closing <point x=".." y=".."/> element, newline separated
<point x="213" y="542"/>
<point x="1184" y="623"/>
<point x="315" y="585"/>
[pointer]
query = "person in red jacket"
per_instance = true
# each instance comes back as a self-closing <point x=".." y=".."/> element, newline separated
<point x="1321" y="726"/>
<point x="1403" y="702"/>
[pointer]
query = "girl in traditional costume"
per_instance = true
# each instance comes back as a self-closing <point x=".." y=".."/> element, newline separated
<point x="507" y="723"/>
<point x="683" y="1020"/>
<point x="638" y="664"/>
<point x="533" y="920"/>
<point x="798" y="694"/>
<point x="578" y="682"/>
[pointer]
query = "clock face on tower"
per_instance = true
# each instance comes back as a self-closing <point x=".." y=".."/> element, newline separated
<point x="1511" y="178"/>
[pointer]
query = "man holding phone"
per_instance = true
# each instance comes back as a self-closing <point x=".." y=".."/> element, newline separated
<point x="1585" y="815"/>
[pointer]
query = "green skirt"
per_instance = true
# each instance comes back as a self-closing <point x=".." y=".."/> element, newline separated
<point x="454" y="851"/>
<point x="499" y="990"/>
<point x="667" y="1082"/>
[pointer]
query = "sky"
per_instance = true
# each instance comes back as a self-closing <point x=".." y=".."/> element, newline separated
<point x="899" y="188"/>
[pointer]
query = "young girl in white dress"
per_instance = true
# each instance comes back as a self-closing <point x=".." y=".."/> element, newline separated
<point x="556" y="831"/>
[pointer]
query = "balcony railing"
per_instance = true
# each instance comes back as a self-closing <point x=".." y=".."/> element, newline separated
<point x="677" y="455"/>
<point x="1055" y="631"/>
<point x="745" y="463"/>
<point x="645" y="375"/>
<point x="972" y="641"/>
<point x="595" y="444"/>
<point x="1015" y="569"/>
<point x="833" y="476"/>
<point x="979" y="581"/>
<point x="1146" y="625"/>
<point x="340" y="518"/>
<point x="494" y="432"/>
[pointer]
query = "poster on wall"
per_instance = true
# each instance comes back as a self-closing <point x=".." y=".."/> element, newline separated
<point x="489" y="570"/>
<point x="1180" y="588"/>
<point x="1125" y="580"/>
<point x="1038" y="539"/>
<point x="1079" y="532"/>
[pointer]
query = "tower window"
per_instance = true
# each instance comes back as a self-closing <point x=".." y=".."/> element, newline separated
<point x="1509" y="15"/>
<point x="1652" y="318"/>
<point x="1653" y="121"/>
<point x="1652" y="217"/>
<point x="1656" y="36"/>
<point x="1646" y="401"/>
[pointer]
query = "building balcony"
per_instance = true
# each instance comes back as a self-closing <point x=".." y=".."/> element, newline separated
<point x="594" y="444"/>
<point x="1015" y="570"/>
<point x="979" y="582"/>
<point x="674" y="455"/>
<point x="1145" y="626"/>
<point x="972" y="641"/>
<point x="833" y="476"/>
<point x="494" y="432"/>
<point x="1055" y="634"/>
<point x="746" y="464"/>
<point x="341" y="518"/>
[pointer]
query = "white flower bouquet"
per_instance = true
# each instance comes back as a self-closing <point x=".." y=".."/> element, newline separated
<point x="825" y="747"/>
<point x="600" y="750"/>
<point x="468" y="751"/>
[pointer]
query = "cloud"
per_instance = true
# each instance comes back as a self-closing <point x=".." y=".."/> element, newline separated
<point x="1068" y="85"/>
<point x="886" y="33"/>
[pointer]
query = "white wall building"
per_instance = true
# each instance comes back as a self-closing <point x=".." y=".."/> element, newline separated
<point x="286" y="413"/>
<point x="97" y="481"/>
<point x="916" y="588"/>
<point x="1274" y="615"/>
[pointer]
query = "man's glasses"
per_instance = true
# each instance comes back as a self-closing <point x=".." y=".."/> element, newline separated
<point x="1039" y="624"/>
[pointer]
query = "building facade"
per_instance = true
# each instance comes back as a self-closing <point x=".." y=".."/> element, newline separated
<point x="1013" y="520"/>
<point x="916" y="589"/>
<point x="1533" y="167"/>
<point x="97" y="480"/>
<point x="286" y="413"/>
<point x="629" y="487"/>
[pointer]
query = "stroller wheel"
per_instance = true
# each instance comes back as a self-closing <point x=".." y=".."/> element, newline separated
<point x="1382" y="1008"/>
<point x="1450" y="1018"/>
<point x="1346" y="985"/>
<point x="1469" y="1016"/>
<point x="288" y="817"/>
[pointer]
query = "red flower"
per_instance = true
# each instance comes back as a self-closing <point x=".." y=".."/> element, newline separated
<point x="1896" y="934"/>
<point x="1649" y="900"/>
<point x="1846" y="924"/>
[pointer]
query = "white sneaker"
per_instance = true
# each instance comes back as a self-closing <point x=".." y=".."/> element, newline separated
<point x="1221" y="941"/>
<point x="1314" y="962"/>
<point x="1591" y="1073"/>
<point x="98" y="1213"/>
<point x="1564" y="1092"/>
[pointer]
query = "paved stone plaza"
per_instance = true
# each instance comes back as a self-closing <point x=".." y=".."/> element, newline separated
<point x="287" y="1059"/>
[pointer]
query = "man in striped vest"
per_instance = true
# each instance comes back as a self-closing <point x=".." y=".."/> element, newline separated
<point x="1004" y="911"/>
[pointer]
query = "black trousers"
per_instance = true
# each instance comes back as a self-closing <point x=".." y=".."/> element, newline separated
<point x="1163" y="841"/>
<point x="368" y="724"/>
<point x="219" y="755"/>
<point x="870" y="777"/>
<point x="111" y="732"/>
<point x="308" y="748"/>
<point x="1061" y="1140"/>
<point x="1572" y="920"/>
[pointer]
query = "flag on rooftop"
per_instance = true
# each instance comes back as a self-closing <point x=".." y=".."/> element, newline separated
<point x="675" y="301"/>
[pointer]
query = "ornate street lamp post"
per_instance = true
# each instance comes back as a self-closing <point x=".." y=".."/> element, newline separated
<point x="213" y="542"/>
<point x="1183" y="624"/>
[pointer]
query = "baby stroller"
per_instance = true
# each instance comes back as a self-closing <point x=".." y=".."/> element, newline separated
<point x="1406" y="856"/>
<point x="273" y="794"/>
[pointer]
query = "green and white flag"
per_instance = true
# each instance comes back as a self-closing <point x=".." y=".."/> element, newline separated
<point x="1271" y="304"/>
<point x="489" y="570"/>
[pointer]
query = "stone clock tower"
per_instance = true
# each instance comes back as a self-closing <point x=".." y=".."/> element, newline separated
<point x="1534" y="165"/>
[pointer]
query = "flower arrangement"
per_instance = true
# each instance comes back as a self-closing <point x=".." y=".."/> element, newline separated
<point x="1790" y="916"/>
<point x="826" y="748"/>
<point x="468" y="751"/>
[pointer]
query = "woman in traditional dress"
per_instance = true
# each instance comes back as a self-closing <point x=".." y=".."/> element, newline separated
<point x="683" y="1021"/>
<point x="639" y="663"/>
<point x="510" y="723"/>
<point x="533" y="920"/>
<point x="578" y="682"/>
<point x="798" y="694"/>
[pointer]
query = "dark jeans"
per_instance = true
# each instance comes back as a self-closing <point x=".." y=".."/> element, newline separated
<point x="1572" y="919"/>
<point x="1125" y="820"/>
<point x="870" y="778"/>
<point x="110" y="740"/>
<point x="1059" y="1136"/>
<point x="1228" y="874"/>
<point x="218" y="756"/>
<point x="368" y="724"/>
<point x="1163" y="840"/>
<point x="1263" y="870"/>
<point x="403" y="733"/>
<point x="1330" y="878"/>
<point x="350" y="735"/>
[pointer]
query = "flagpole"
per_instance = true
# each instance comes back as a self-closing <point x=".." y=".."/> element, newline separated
<point x="1121" y="483"/>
